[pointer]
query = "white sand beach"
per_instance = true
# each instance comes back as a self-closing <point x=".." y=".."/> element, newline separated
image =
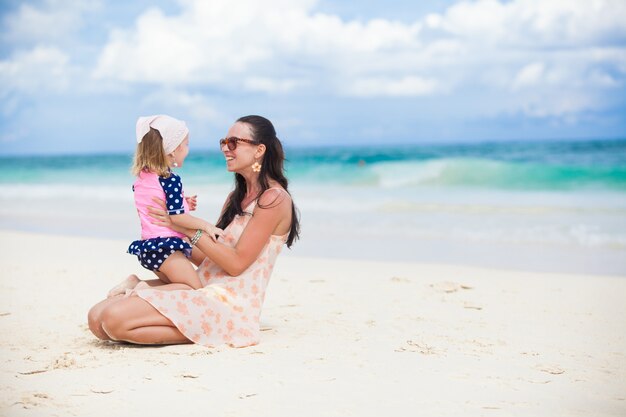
<point x="340" y="338"/>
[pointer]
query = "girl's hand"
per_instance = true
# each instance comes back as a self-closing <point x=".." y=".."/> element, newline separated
<point x="192" y="201"/>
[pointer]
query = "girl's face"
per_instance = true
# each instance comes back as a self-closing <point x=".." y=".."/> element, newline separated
<point x="243" y="156"/>
<point x="181" y="152"/>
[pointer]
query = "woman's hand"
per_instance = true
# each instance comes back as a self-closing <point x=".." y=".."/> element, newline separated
<point x="159" y="214"/>
<point x="213" y="231"/>
<point x="162" y="218"/>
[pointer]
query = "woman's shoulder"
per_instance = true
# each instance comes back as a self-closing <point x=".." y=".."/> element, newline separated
<point x="275" y="192"/>
<point x="274" y="196"/>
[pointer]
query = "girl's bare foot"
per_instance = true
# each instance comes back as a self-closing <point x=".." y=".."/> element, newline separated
<point x="133" y="291"/>
<point x="129" y="283"/>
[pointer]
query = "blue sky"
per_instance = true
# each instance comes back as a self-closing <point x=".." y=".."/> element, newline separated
<point x="74" y="76"/>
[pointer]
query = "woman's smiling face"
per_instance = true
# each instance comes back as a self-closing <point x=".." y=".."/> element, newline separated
<point x="243" y="156"/>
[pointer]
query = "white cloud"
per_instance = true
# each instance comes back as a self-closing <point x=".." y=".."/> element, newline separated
<point x="42" y="69"/>
<point x="564" y="105"/>
<point x="53" y="21"/>
<point x="43" y="40"/>
<point x="281" y="46"/>
<point x="604" y="80"/>
<point x="531" y="50"/>
<point x="536" y="23"/>
<point x="529" y="75"/>
<point x="274" y="46"/>
<point x="398" y="87"/>
<point x="205" y="119"/>
<point x="178" y="103"/>
<point x="161" y="49"/>
<point x="554" y="58"/>
<point x="208" y="43"/>
<point x="269" y="85"/>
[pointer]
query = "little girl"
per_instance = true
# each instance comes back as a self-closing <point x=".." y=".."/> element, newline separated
<point x="163" y="143"/>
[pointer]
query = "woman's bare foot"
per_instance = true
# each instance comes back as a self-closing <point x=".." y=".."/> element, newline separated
<point x="129" y="283"/>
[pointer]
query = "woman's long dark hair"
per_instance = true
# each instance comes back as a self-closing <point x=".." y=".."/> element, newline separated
<point x="271" y="169"/>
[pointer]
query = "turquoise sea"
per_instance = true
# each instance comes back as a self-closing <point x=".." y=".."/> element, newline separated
<point x="554" y="205"/>
<point x="555" y="165"/>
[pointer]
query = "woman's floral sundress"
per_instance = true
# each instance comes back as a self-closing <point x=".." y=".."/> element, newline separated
<point x="227" y="309"/>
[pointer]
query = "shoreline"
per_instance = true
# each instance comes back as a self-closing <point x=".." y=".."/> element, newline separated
<point x="521" y="258"/>
<point x="339" y="337"/>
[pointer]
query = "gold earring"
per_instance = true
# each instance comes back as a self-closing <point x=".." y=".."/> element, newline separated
<point x="256" y="167"/>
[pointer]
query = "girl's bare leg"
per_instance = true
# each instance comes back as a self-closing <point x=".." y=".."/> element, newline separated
<point x="134" y="320"/>
<point x="179" y="270"/>
<point x="162" y="277"/>
<point x="197" y="256"/>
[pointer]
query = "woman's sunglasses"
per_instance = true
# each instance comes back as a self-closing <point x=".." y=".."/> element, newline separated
<point x="231" y="142"/>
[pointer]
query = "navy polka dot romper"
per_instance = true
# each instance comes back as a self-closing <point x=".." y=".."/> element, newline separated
<point x="151" y="253"/>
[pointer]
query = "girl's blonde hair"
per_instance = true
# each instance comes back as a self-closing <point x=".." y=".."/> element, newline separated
<point x="150" y="155"/>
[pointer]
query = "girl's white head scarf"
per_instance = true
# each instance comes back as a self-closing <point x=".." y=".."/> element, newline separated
<point x="173" y="131"/>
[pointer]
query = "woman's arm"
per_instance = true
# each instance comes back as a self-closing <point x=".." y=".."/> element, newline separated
<point x="187" y="221"/>
<point x="182" y="223"/>
<point x="263" y="224"/>
<point x="255" y="236"/>
<point x="175" y="205"/>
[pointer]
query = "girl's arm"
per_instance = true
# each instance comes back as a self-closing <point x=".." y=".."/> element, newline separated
<point x="263" y="224"/>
